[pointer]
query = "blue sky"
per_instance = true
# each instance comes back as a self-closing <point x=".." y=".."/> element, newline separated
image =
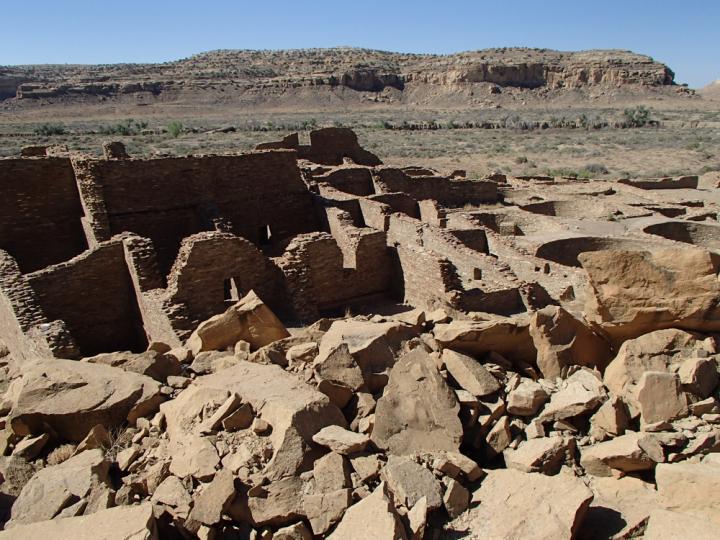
<point x="683" y="34"/>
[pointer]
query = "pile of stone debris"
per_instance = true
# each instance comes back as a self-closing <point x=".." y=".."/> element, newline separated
<point x="407" y="426"/>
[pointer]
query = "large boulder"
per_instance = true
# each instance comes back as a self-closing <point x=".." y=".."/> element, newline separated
<point x="516" y="504"/>
<point x="581" y="393"/>
<point x="561" y="340"/>
<point x="372" y="346"/>
<point x="418" y="410"/>
<point x="248" y="320"/>
<point x="56" y="487"/>
<point x="295" y="410"/>
<point x="70" y="397"/>
<point x="690" y="488"/>
<point x="628" y="453"/>
<point x="122" y="522"/>
<point x="662" y="351"/>
<point x="508" y="336"/>
<point x="636" y="292"/>
<point x="373" y="517"/>
<point x="669" y="525"/>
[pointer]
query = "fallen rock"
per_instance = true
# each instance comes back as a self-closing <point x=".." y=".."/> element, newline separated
<point x="30" y="447"/>
<point x="71" y="397"/>
<point x="662" y="350"/>
<point x="248" y="320"/>
<point x="277" y="503"/>
<point x="341" y="440"/>
<point x="456" y="498"/>
<point x="581" y="393"/>
<point x="214" y="499"/>
<point x="339" y="367"/>
<point x="526" y="399"/>
<point x="151" y="363"/>
<point x="667" y="525"/>
<point x="296" y="531"/>
<point x="508" y="336"/>
<point x="295" y="410"/>
<point x="469" y="373"/>
<point x="660" y="398"/>
<point x="515" y="504"/>
<point x="373" y="517"/>
<point x="611" y="418"/>
<point x="126" y="522"/>
<point x="331" y="473"/>
<point x="323" y="510"/>
<point x="418" y="410"/>
<point x="561" y="340"/>
<point x="56" y="487"/>
<point x="623" y="453"/>
<point x="372" y="345"/>
<point x="172" y="493"/>
<point x="410" y="482"/>
<point x="636" y="292"/>
<point x="619" y="506"/>
<point x="690" y="488"/>
<point x="545" y="455"/>
<point x="699" y="376"/>
<point x="498" y="438"/>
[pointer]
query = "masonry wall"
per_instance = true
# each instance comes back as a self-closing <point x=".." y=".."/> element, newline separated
<point x="40" y="212"/>
<point x="169" y="199"/>
<point x="94" y="296"/>
<point x="449" y="192"/>
<point x="200" y="286"/>
<point x="354" y="180"/>
<point x="429" y="281"/>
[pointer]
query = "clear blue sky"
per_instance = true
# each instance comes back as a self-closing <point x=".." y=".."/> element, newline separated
<point x="685" y="34"/>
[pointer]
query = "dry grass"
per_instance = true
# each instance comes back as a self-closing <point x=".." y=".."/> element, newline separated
<point x="60" y="454"/>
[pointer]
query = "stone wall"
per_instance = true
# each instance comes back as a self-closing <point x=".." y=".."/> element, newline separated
<point x="40" y="212"/>
<point x="93" y="294"/>
<point x="449" y="192"/>
<point x="259" y="196"/>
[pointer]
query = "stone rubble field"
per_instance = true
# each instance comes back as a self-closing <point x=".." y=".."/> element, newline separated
<point x="551" y="371"/>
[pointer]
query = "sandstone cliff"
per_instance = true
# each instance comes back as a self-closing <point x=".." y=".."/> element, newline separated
<point x="252" y="72"/>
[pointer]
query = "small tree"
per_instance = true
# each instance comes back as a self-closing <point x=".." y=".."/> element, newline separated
<point x="637" y="116"/>
<point x="174" y="129"/>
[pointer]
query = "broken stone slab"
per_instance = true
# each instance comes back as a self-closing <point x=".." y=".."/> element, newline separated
<point x="214" y="499"/>
<point x="456" y="498"/>
<point x="276" y="504"/>
<point x="341" y="440"/>
<point x="544" y="455"/>
<point x="611" y="419"/>
<point x="515" y="504"/>
<point x="193" y="456"/>
<point x="332" y="472"/>
<point x="526" y="399"/>
<point x="561" y="340"/>
<point x="55" y="487"/>
<point x="339" y="367"/>
<point x="172" y="493"/>
<point x="293" y="409"/>
<point x="699" y="376"/>
<point x="418" y="410"/>
<point x="70" y="397"/>
<point x="151" y="363"/>
<point x="690" y="488"/>
<point x="498" y="438"/>
<point x="30" y="447"/>
<point x="668" y="525"/>
<point x="296" y="531"/>
<point x="581" y="393"/>
<point x="660" y="397"/>
<point x="248" y="320"/>
<point x="508" y="336"/>
<point x="619" y="506"/>
<point x="636" y="292"/>
<point x="325" y="509"/>
<point x="410" y="481"/>
<point x="373" y="346"/>
<point x="127" y="522"/>
<point x="373" y="517"/>
<point x="662" y="350"/>
<point x="624" y="453"/>
<point x="469" y="373"/>
<point x="303" y="353"/>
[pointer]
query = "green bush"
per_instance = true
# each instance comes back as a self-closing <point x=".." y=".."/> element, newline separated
<point x="637" y="116"/>
<point x="47" y="130"/>
<point x="125" y="128"/>
<point x="174" y="129"/>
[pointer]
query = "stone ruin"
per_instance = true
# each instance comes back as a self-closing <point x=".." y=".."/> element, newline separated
<point x="537" y="323"/>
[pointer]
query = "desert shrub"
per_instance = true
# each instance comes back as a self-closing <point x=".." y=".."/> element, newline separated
<point x="636" y="116"/>
<point x="60" y="454"/>
<point x="125" y="128"/>
<point x="47" y="130"/>
<point x="594" y="169"/>
<point x="174" y="129"/>
<point x="521" y="159"/>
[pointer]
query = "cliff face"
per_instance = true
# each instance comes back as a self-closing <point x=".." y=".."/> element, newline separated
<point x="357" y="69"/>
